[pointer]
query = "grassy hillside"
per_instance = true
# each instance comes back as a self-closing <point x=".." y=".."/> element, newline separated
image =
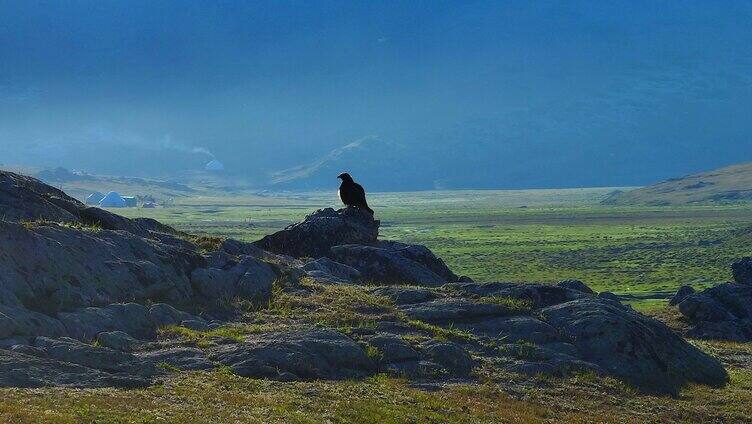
<point x="732" y="184"/>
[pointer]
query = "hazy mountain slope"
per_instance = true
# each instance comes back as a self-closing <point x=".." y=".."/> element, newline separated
<point x="729" y="184"/>
<point x="377" y="163"/>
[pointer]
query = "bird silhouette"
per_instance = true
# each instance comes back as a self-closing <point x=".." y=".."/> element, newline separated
<point x="352" y="193"/>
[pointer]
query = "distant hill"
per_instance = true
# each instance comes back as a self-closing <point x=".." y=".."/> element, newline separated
<point x="731" y="184"/>
<point x="80" y="184"/>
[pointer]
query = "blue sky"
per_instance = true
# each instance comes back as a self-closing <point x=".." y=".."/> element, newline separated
<point x="634" y="91"/>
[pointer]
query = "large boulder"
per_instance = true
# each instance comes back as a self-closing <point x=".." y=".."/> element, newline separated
<point x="640" y="350"/>
<point x="256" y="281"/>
<point x="742" y="270"/>
<point x="421" y="255"/>
<point x="723" y="312"/>
<point x="26" y="199"/>
<point x="344" y="248"/>
<point x="320" y="231"/>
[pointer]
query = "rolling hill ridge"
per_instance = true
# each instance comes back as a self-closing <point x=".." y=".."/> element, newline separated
<point x="731" y="184"/>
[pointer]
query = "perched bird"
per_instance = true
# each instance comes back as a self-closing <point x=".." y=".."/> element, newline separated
<point x="352" y="193"/>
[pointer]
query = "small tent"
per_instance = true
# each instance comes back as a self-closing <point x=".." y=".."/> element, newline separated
<point x="94" y="198"/>
<point x="112" y="200"/>
<point x="214" y="166"/>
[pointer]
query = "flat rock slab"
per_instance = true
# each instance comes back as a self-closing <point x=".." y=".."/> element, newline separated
<point x="99" y="358"/>
<point x="315" y="354"/>
<point x="387" y="265"/>
<point x="513" y="329"/>
<point x="182" y="358"/>
<point x="454" y="310"/>
<point x="22" y="370"/>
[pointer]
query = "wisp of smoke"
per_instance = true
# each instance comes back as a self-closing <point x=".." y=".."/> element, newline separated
<point x="203" y="150"/>
<point x="167" y="143"/>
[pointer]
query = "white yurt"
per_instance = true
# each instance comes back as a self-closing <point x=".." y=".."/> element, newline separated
<point x="112" y="200"/>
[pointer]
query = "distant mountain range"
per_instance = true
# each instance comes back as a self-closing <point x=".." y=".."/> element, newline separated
<point x="731" y="184"/>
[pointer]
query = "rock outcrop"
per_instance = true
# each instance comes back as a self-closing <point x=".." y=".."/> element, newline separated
<point x="742" y="271"/>
<point x="723" y="312"/>
<point x="26" y="198"/>
<point x="349" y="238"/>
<point x="568" y="330"/>
<point x="322" y="230"/>
<point x="92" y="299"/>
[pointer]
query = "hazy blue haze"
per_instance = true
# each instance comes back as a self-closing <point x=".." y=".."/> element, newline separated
<point x="458" y="94"/>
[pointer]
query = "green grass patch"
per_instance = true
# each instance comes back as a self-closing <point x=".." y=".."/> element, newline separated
<point x="31" y="224"/>
<point x="442" y="333"/>
<point x="514" y="305"/>
<point x="333" y="306"/>
<point x="236" y="332"/>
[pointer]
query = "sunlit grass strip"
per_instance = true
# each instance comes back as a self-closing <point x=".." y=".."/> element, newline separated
<point x="514" y="305"/>
<point x="31" y="224"/>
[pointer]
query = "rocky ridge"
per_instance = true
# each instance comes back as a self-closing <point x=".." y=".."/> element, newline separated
<point x="92" y="299"/>
<point x="722" y="312"/>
